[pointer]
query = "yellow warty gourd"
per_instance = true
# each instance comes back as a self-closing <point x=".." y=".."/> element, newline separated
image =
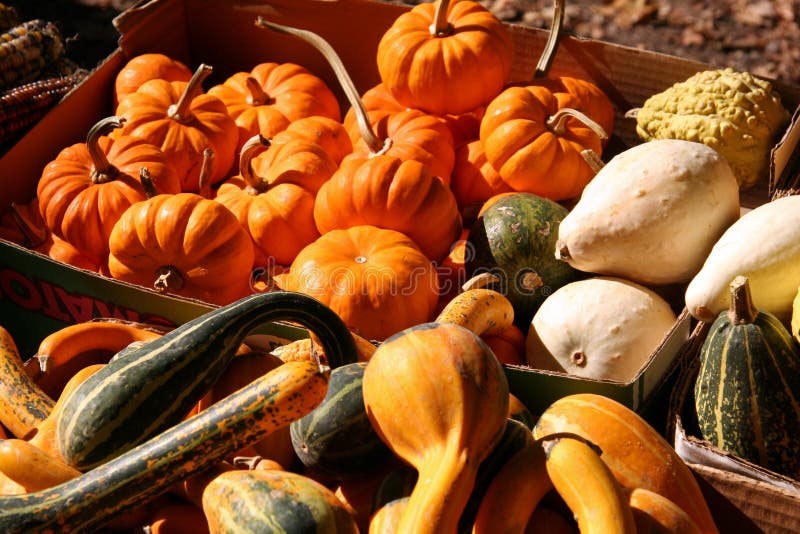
<point x="733" y="112"/>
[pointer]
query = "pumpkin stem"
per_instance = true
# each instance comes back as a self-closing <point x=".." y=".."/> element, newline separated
<point x="147" y="183"/>
<point x="34" y="236"/>
<point x="204" y="188"/>
<point x="557" y="122"/>
<point x="168" y="279"/>
<point x="376" y="145"/>
<point x="592" y="159"/>
<point x="441" y="27"/>
<point x="742" y="310"/>
<point x="246" y="462"/>
<point x="256" y="95"/>
<point x="551" y="46"/>
<point x="255" y="184"/>
<point x="102" y="170"/>
<point x="180" y="111"/>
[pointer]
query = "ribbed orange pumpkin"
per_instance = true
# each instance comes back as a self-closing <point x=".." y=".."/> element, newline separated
<point x="86" y="188"/>
<point x="388" y="192"/>
<point x="376" y="280"/>
<point x="183" y="244"/>
<point x="279" y="219"/>
<point x="293" y="159"/>
<point x="183" y="121"/>
<point x="583" y="95"/>
<point x="536" y="146"/>
<point x="327" y="133"/>
<point x="474" y="179"/>
<point x="148" y="66"/>
<point x="447" y="58"/>
<point x="271" y="96"/>
<point x="408" y="134"/>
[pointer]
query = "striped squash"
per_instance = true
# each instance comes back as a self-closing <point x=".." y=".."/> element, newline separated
<point x="337" y="439"/>
<point x="154" y="386"/>
<point x="747" y="392"/>
<point x="273" y="501"/>
<point x="91" y="500"/>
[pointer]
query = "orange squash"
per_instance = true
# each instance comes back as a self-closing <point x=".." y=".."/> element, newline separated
<point x="279" y="218"/>
<point x="446" y="58"/>
<point x="438" y="398"/>
<point x="377" y="280"/>
<point x="474" y="179"/>
<point x="183" y="244"/>
<point x="268" y="98"/>
<point x="86" y="188"/>
<point x="183" y="121"/>
<point x="633" y="450"/>
<point x="388" y="192"/>
<point x="32" y="468"/>
<point x="508" y="345"/>
<point x="148" y="66"/>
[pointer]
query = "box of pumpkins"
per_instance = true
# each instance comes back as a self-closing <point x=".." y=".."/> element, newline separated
<point x="566" y="189"/>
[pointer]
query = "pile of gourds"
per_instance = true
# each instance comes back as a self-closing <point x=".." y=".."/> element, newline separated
<point x="193" y="430"/>
<point x="260" y="196"/>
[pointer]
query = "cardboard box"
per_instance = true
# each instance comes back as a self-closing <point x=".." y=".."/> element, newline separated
<point x="37" y="295"/>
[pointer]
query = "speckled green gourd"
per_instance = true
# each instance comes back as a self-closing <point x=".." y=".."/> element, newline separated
<point x="747" y="393"/>
<point x="733" y="112"/>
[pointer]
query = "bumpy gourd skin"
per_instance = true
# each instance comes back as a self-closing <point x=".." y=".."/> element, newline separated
<point x="732" y="112"/>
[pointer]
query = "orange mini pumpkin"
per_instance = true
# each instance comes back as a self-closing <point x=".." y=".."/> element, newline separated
<point x="387" y="192"/>
<point x="183" y="244"/>
<point x="280" y="219"/>
<point x="86" y="188"/>
<point x="474" y="180"/>
<point x="376" y="280"/>
<point x="183" y="121"/>
<point x="148" y="66"/>
<point x="538" y="147"/>
<point x="447" y="58"/>
<point x="271" y="96"/>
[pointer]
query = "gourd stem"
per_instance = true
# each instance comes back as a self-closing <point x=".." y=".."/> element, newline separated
<point x="742" y="310"/>
<point x="551" y="46"/>
<point x="206" y="170"/>
<point x="555" y="436"/>
<point x="256" y="95"/>
<point x="180" y="111"/>
<point x="531" y="281"/>
<point x="480" y="281"/>
<point x="557" y="121"/>
<point x="255" y="184"/>
<point x="147" y="183"/>
<point x="440" y="26"/>
<point x="562" y="251"/>
<point x="168" y="279"/>
<point x="102" y="170"/>
<point x="376" y="145"/>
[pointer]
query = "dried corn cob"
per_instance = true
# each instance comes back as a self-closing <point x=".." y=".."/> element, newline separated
<point x="23" y="106"/>
<point x="26" y="49"/>
<point x="8" y="17"/>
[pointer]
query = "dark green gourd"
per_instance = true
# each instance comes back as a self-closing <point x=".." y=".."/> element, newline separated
<point x="152" y="387"/>
<point x="747" y="393"/>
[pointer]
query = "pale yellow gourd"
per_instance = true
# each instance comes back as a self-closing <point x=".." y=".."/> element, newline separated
<point x="603" y="328"/>
<point x="652" y="214"/>
<point x="764" y="246"/>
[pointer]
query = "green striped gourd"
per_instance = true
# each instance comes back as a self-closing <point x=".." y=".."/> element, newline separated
<point x="273" y="501"/>
<point x="153" y="387"/>
<point x="337" y="438"/>
<point x="515" y="239"/>
<point x="747" y="393"/>
<point x="245" y="417"/>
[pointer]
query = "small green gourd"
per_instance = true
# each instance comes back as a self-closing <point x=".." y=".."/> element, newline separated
<point x="747" y="393"/>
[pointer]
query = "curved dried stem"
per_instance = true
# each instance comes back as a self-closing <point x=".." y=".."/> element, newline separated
<point x="551" y="46"/>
